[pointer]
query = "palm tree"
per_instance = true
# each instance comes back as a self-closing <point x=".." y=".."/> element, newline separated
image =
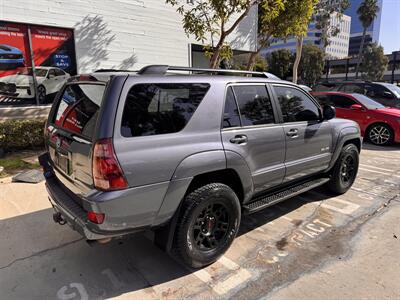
<point x="367" y="12"/>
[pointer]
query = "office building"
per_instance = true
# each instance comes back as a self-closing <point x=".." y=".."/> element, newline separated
<point x="384" y="30"/>
<point x="339" y="44"/>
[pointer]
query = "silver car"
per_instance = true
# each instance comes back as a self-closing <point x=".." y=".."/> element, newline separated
<point x="186" y="153"/>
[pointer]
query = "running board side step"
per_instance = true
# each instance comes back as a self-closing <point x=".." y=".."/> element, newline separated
<point x="264" y="201"/>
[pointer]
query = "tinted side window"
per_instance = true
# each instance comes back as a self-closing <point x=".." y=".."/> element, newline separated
<point x="231" y="112"/>
<point x="295" y="105"/>
<point x="78" y="108"/>
<point x="352" y="88"/>
<point x="342" y="101"/>
<point x="323" y="99"/>
<point x="52" y="73"/>
<point x="254" y="104"/>
<point x="323" y="87"/>
<point x="59" y="72"/>
<point x="160" y="108"/>
<point x="377" y="91"/>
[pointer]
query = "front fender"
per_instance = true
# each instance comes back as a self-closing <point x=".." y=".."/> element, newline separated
<point x="344" y="135"/>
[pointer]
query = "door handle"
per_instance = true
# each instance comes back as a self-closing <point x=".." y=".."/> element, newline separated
<point x="293" y="133"/>
<point x="239" y="139"/>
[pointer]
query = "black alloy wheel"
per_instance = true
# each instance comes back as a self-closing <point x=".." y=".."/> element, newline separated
<point x="211" y="226"/>
<point x="208" y="222"/>
<point x="347" y="169"/>
<point x="344" y="172"/>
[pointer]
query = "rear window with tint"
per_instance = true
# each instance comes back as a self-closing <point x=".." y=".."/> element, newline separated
<point x="79" y="108"/>
<point x="160" y="108"/>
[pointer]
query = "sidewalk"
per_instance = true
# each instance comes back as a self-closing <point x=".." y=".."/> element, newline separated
<point x="372" y="272"/>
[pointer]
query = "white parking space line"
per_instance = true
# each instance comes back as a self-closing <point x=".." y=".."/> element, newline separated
<point x="203" y="275"/>
<point x="229" y="264"/>
<point x="378" y="172"/>
<point x="384" y="158"/>
<point x="222" y="287"/>
<point x="336" y="204"/>
<point x="232" y="282"/>
<point x="346" y="207"/>
<point x="378" y="168"/>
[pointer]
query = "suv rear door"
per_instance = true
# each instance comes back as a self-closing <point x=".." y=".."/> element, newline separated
<point x="70" y="130"/>
<point x="250" y="129"/>
<point x="308" y="139"/>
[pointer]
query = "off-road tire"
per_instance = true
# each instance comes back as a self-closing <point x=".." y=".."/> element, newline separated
<point x="348" y="159"/>
<point x="225" y="202"/>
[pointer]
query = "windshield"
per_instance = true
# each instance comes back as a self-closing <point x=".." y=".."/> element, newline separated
<point x="393" y="88"/>
<point x="38" y="72"/>
<point x="368" y="102"/>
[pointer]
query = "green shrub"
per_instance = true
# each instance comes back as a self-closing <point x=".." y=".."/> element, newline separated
<point x="21" y="134"/>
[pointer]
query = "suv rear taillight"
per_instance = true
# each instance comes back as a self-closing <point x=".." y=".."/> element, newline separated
<point x="107" y="173"/>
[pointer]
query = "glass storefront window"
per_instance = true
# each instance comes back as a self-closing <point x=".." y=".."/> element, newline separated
<point x="53" y="60"/>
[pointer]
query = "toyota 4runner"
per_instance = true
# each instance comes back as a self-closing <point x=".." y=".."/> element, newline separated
<point x="187" y="153"/>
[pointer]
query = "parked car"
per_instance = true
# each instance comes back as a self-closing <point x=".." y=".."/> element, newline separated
<point x="20" y="85"/>
<point x="379" y="124"/>
<point x="10" y="57"/>
<point x="186" y="155"/>
<point x="305" y="87"/>
<point x="386" y="94"/>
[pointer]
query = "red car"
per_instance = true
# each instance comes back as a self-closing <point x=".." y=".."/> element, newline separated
<point x="379" y="124"/>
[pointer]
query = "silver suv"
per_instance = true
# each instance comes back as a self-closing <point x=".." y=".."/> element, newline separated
<point x="187" y="153"/>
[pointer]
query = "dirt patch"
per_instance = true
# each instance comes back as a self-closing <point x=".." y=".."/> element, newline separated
<point x="281" y="244"/>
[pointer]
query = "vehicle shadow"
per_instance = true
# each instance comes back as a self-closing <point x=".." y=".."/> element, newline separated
<point x="255" y="220"/>
<point x="36" y="251"/>
<point x="369" y="146"/>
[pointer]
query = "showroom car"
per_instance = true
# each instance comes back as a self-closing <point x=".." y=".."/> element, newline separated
<point x="379" y="124"/>
<point x="49" y="81"/>
<point x="10" y="57"/>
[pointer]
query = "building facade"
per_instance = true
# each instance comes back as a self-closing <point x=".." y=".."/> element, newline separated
<point x="383" y="31"/>
<point x="344" y="69"/>
<point x="339" y="44"/>
<point x="70" y="37"/>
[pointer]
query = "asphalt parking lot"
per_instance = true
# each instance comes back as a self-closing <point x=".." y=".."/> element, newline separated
<point x="275" y="247"/>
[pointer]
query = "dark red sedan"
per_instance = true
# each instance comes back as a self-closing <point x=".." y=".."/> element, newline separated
<point x="379" y="124"/>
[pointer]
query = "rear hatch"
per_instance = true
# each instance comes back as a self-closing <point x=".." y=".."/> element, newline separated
<point x="70" y="133"/>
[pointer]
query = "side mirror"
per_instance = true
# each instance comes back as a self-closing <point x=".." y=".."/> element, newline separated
<point x="356" y="107"/>
<point x="329" y="112"/>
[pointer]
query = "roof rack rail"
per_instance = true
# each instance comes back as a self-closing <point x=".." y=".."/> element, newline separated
<point x="163" y="69"/>
<point x="111" y="70"/>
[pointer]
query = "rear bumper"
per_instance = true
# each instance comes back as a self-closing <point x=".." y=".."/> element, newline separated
<point x="75" y="215"/>
<point x="72" y="213"/>
<point x="17" y="92"/>
<point x="126" y="211"/>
